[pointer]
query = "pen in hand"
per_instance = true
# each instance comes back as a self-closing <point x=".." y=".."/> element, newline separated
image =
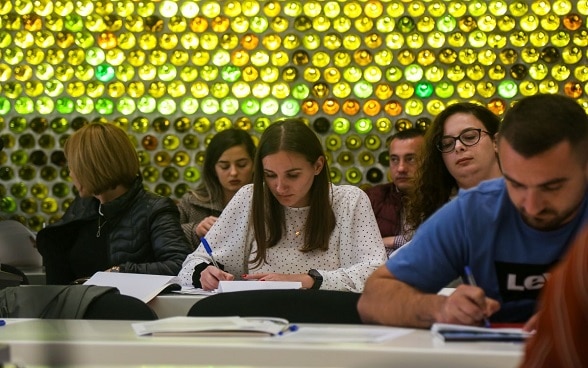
<point x="470" y="280"/>
<point x="209" y="251"/>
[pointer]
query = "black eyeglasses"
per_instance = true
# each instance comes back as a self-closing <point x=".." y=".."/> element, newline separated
<point x="468" y="137"/>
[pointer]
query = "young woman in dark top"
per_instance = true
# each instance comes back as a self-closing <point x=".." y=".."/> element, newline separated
<point x="114" y="224"/>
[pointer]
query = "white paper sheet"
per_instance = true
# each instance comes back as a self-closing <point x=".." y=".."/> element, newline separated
<point x="141" y="286"/>
<point x="229" y="286"/>
<point x="341" y="334"/>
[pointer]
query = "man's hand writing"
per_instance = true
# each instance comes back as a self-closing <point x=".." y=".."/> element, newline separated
<point x="467" y="305"/>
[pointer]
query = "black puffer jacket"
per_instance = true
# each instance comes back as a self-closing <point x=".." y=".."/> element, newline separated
<point x="145" y="235"/>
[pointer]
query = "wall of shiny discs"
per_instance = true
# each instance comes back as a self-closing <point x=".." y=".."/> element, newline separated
<point x="173" y="73"/>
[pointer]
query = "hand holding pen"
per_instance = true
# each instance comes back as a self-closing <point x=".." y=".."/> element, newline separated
<point x="469" y="279"/>
<point x="210" y="277"/>
<point x="467" y="305"/>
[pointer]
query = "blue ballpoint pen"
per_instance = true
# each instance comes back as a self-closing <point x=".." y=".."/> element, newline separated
<point x="209" y="251"/>
<point x="288" y="328"/>
<point x="472" y="281"/>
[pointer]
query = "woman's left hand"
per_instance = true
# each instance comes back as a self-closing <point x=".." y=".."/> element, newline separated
<point x="305" y="279"/>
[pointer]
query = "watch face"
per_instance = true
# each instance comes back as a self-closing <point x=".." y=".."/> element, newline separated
<point x="317" y="277"/>
<point x="315" y="274"/>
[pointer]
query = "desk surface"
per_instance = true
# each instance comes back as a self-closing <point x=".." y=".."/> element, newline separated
<point x="172" y="305"/>
<point x="80" y="342"/>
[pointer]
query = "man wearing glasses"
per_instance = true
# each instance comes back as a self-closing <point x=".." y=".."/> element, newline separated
<point x="387" y="199"/>
<point x="509" y="232"/>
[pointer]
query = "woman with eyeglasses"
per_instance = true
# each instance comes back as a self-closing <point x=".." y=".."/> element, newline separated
<point x="458" y="153"/>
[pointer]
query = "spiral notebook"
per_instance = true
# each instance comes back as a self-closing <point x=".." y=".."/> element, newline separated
<point x="453" y="332"/>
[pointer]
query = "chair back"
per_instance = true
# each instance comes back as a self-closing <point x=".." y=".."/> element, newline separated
<point x="71" y="302"/>
<point x="17" y="245"/>
<point x="9" y="279"/>
<point x="297" y="306"/>
<point x="15" y="271"/>
<point x="119" y="307"/>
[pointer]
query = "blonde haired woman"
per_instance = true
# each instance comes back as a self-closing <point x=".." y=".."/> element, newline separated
<point x="114" y="224"/>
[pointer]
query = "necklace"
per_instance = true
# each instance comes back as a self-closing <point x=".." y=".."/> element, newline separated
<point x="100" y="225"/>
<point x="297" y="232"/>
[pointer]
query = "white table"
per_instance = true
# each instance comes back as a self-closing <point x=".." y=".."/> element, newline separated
<point x="173" y="305"/>
<point x="101" y="343"/>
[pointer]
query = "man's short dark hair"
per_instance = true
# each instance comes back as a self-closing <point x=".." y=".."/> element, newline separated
<point x="406" y="134"/>
<point x="537" y="123"/>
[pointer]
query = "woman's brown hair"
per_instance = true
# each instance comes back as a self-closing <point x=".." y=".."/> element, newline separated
<point x="102" y="157"/>
<point x="291" y="135"/>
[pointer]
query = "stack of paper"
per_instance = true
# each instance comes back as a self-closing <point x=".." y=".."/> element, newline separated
<point x="229" y="286"/>
<point x="242" y="285"/>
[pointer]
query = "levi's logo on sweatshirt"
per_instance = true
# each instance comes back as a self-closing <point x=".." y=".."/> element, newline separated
<point x="521" y="281"/>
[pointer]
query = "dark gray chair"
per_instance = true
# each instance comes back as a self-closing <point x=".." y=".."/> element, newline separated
<point x="71" y="302"/>
<point x="9" y="279"/>
<point x="15" y="271"/>
<point x="297" y="306"/>
<point x="119" y="307"/>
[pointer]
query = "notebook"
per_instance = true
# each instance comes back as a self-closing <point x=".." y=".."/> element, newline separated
<point x="454" y="332"/>
<point x="213" y="326"/>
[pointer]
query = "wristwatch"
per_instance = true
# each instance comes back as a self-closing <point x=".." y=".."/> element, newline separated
<point x="317" y="277"/>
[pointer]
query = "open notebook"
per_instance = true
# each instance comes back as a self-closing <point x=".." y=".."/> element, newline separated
<point x="213" y="326"/>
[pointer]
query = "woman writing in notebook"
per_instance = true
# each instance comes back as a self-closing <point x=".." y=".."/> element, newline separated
<point x="291" y="224"/>
<point x="228" y="165"/>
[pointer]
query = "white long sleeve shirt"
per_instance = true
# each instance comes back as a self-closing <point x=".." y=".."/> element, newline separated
<point x="355" y="249"/>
